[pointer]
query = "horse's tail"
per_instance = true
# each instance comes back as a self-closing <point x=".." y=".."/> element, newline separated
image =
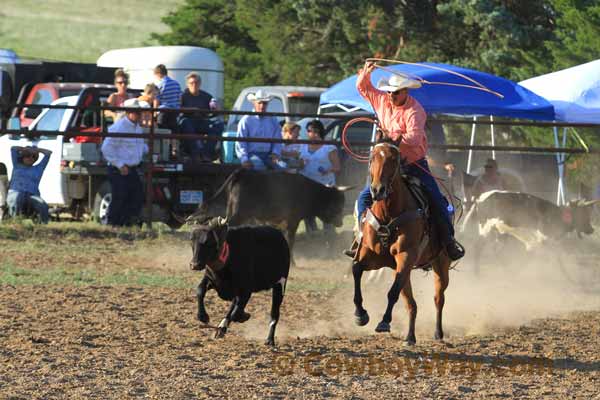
<point x="203" y="209"/>
<point x="225" y="184"/>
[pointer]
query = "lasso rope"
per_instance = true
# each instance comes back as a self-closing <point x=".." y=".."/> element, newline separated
<point x="357" y="157"/>
<point x="479" y="86"/>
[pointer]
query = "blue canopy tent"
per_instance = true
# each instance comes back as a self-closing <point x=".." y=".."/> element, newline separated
<point x="518" y="102"/>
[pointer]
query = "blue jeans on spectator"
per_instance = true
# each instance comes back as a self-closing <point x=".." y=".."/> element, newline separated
<point x="21" y="202"/>
<point x="127" y="197"/>
<point x="262" y="161"/>
<point x="439" y="206"/>
<point x="209" y="127"/>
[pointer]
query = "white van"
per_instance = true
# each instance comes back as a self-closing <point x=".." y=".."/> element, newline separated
<point x="139" y="63"/>
<point x="54" y="185"/>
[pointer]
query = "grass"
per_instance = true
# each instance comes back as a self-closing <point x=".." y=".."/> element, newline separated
<point x="79" y="30"/>
<point x="15" y="276"/>
<point x="86" y="253"/>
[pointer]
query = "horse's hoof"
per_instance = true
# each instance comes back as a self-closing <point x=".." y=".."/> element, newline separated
<point x="409" y="342"/>
<point x="220" y="332"/>
<point x="241" y="317"/>
<point x="270" y="342"/>
<point x="439" y="336"/>
<point x="361" y="319"/>
<point x="382" y="327"/>
<point x="203" y="318"/>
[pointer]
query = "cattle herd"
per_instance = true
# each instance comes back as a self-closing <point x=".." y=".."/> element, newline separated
<point x="241" y="259"/>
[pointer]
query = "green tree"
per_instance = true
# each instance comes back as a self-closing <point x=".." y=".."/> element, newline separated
<point x="213" y="24"/>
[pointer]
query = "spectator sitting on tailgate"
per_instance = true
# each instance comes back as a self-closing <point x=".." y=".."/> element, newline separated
<point x="491" y="179"/>
<point x="150" y="96"/>
<point x="290" y="153"/>
<point x="169" y="96"/>
<point x="193" y="97"/>
<point x="255" y="154"/>
<point x="117" y="99"/>
<point x="23" y="190"/>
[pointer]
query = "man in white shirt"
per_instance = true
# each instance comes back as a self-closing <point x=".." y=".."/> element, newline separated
<point x="124" y="156"/>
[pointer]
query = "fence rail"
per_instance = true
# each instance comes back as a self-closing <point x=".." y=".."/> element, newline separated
<point x="153" y="135"/>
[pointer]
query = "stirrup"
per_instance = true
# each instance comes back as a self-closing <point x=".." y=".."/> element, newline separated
<point x="351" y="252"/>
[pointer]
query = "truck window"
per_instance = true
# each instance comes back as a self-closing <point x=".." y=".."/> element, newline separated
<point x="275" y="105"/>
<point x="42" y="96"/>
<point x="304" y="105"/>
<point x="51" y="120"/>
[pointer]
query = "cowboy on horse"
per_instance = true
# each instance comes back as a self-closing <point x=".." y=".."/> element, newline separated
<point x="402" y="122"/>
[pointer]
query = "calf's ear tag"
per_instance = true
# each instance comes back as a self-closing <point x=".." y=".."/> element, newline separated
<point x="224" y="253"/>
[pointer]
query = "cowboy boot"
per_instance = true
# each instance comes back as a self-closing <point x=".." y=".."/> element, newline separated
<point x="351" y="252"/>
<point x="454" y="249"/>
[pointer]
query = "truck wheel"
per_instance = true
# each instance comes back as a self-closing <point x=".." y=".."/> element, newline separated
<point x="101" y="202"/>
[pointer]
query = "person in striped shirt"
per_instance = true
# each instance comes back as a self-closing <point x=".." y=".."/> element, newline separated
<point x="169" y="96"/>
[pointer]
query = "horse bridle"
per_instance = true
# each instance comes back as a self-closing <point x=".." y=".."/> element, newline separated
<point x="387" y="232"/>
<point x="388" y="184"/>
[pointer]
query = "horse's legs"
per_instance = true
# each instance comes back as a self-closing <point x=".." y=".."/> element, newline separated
<point x="411" y="307"/>
<point x="362" y="317"/>
<point x="400" y="280"/>
<point x="441" y="279"/>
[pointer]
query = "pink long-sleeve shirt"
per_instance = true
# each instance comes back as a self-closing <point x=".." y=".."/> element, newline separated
<point x="406" y="121"/>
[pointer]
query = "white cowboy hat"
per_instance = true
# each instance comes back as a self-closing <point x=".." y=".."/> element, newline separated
<point x="260" y="95"/>
<point x="397" y="82"/>
<point x="136" y="103"/>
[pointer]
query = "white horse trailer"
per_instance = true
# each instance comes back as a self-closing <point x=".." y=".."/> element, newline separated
<point x="139" y="63"/>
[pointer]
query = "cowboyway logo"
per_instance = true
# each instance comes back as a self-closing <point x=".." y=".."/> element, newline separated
<point x="410" y="366"/>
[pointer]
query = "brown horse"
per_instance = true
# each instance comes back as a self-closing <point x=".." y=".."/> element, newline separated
<point x="396" y="234"/>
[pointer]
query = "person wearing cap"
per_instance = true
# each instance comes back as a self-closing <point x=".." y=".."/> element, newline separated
<point x="259" y="155"/>
<point x="124" y="155"/>
<point x="23" y="190"/>
<point x="491" y="179"/>
<point x="402" y="119"/>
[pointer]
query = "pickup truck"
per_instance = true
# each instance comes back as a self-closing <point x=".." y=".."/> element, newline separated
<point x="75" y="178"/>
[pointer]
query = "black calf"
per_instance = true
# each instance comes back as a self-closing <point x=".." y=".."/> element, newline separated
<point x="240" y="261"/>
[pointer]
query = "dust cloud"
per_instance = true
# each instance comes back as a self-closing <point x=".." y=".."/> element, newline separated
<point x="509" y="287"/>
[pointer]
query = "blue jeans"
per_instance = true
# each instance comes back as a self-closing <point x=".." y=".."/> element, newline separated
<point x="22" y="202"/>
<point x="200" y="125"/>
<point x="127" y="197"/>
<point x="439" y="204"/>
<point x="262" y="161"/>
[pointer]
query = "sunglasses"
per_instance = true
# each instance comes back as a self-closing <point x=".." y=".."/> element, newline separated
<point x="120" y="82"/>
<point x="396" y="93"/>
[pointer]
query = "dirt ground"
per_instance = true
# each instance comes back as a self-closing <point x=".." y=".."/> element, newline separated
<point x="516" y="330"/>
